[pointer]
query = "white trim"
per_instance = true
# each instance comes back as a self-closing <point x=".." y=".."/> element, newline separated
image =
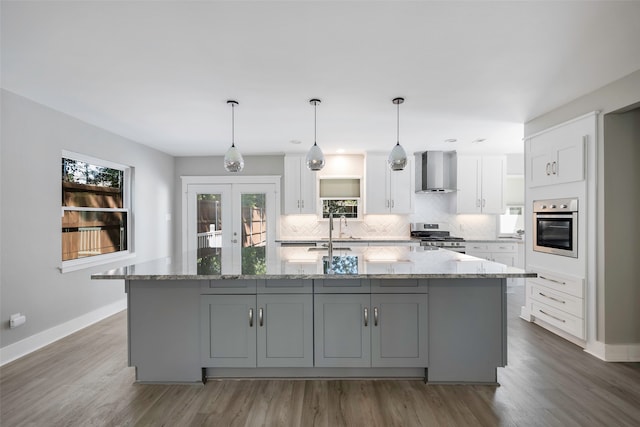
<point x="559" y="125"/>
<point x="93" y="261"/>
<point x="34" y="342"/>
<point x="614" y="352"/>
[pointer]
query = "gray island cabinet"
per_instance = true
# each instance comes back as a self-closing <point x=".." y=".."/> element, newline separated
<point x="445" y="321"/>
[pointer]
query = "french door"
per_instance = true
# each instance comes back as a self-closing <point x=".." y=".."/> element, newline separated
<point x="231" y="227"/>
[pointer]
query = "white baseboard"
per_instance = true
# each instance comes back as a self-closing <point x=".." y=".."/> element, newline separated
<point x="614" y="352"/>
<point x="34" y="342"/>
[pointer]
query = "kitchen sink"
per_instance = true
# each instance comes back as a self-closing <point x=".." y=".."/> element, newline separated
<point x="322" y="248"/>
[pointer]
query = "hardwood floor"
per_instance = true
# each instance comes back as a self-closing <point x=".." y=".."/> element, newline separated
<point x="83" y="380"/>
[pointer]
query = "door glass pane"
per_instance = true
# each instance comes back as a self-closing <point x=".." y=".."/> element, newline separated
<point x="209" y="233"/>
<point x="254" y="233"/>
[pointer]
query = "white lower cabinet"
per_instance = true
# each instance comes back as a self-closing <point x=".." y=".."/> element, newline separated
<point x="504" y="253"/>
<point x="558" y="300"/>
<point x="242" y="331"/>
<point x="377" y="330"/>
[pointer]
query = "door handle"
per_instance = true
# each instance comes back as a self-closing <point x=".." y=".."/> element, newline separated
<point x="366" y="316"/>
<point x="251" y="317"/>
<point x="375" y="316"/>
<point x="260" y="317"/>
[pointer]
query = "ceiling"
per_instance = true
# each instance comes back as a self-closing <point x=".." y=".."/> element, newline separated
<point x="160" y="73"/>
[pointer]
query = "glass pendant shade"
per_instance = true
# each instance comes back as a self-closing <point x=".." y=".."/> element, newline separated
<point x="315" y="158"/>
<point x="233" y="161"/>
<point x="397" y="158"/>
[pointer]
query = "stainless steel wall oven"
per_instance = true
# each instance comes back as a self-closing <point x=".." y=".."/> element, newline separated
<point x="555" y="227"/>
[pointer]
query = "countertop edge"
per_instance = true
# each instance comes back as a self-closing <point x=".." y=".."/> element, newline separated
<point x="312" y="276"/>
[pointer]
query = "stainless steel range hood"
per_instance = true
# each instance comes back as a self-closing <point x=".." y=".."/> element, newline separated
<point x="436" y="171"/>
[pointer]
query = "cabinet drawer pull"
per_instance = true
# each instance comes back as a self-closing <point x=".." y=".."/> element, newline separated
<point x="251" y="317"/>
<point x="366" y="316"/>
<point x="260" y="317"/>
<point x="375" y="316"/>
<point x="552" y="316"/>
<point x="551" y="280"/>
<point x="551" y="298"/>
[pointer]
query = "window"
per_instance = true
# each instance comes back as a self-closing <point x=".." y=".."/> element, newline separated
<point x="511" y="223"/>
<point x="95" y="211"/>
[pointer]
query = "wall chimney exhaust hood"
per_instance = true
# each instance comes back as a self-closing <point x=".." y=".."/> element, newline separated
<point x="436" y="171"/>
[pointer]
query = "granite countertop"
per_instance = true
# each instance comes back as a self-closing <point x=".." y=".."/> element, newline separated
<point x="367" y="239"/>
<point x="360" y="262"/>
<point x="496" y="240"/>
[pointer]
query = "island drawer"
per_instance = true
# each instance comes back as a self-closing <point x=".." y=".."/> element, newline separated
<point x="229" y="286"/>
<point x="341" y="286"/>
<point x="405" y="286"/>
<point x="285" y="286"/>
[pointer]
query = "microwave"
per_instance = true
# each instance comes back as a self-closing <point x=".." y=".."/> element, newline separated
<point x="555" y="227"/>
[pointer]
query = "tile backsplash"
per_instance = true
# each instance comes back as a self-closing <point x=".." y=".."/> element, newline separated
<point x="428" y="208"/>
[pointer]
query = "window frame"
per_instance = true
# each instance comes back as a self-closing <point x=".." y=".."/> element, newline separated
<point x="127" y="207"/>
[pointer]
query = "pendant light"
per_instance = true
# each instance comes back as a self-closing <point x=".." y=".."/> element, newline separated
<point x="233" y="161"/>
<point x="397" y="157"/>
<point x="315" y="158"/>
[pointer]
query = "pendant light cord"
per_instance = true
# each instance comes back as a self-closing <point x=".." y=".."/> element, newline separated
<point x="233" y="125"/>
<point x="398" y="127"/>
<point x="315" y="122"/>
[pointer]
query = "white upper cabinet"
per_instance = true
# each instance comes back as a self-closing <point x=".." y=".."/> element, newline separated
<point x="556" y="156"/>
<point x="299" y="186"/>
<point x="480" y="184"/>
<point x="387" y="191"/>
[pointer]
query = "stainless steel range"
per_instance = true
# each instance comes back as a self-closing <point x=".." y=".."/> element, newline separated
<point x="434" y="236"/>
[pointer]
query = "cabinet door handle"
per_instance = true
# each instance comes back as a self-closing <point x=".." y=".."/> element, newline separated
<point x="393" y="203"/>
<point x="477" y="203"/>
<point x="551" y="298"/>
<point x="260" y="317"/>
<point x="547" y="169"/>
<point x="302" y="203"/>
<point x="386" y="203"/>
<point x="554" y="168"/>
<point x="552" y="316"/>
<point x="551" y="280"/>
<point x="251" y="317"/>
<point x="366" y="316"/>
<point x="298" y="204"/>
<point x="375" y="316"/>
<point x="484" y="202"/>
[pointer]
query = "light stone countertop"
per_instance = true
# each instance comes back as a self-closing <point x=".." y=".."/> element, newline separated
<point x="356" y="263"/>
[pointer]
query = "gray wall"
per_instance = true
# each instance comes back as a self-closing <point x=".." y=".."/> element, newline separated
<point x="214" y="166"/>
<point x="612" y="97"/>
<point x="33" y="137"/>
<point x="621" y="229"/>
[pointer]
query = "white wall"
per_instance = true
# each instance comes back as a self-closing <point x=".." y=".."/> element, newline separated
<point x="33" y="137"/>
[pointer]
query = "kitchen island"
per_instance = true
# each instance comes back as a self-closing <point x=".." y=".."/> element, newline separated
<point x="386" y="312"/>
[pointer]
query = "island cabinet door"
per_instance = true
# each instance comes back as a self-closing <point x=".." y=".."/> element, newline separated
<point x="228" y="328"/>
<point x="342" y="330"/>
<point x="285" y="330"/>
<point x="399" y="330"/>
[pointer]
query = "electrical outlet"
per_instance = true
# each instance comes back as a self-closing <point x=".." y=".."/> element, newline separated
<point x="16" y="320"/>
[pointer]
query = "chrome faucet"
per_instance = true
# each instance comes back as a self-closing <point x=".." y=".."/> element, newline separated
<point x="330" y="254"/>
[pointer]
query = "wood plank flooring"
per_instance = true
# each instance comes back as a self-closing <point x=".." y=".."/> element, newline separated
<point x="83" y="380"/>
